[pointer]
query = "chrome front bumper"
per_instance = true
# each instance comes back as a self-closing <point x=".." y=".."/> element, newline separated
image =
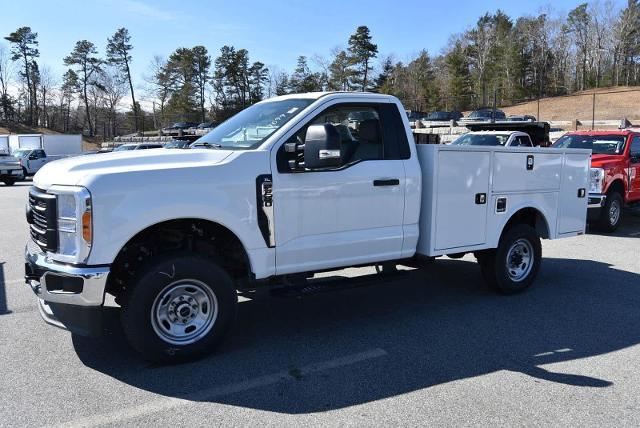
<point x="58" y="283"/>
<point x="596" y="200"/>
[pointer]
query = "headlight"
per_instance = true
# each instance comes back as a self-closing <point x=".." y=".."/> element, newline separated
<point x="595" y="180"/>
<point x="74" y="224"/>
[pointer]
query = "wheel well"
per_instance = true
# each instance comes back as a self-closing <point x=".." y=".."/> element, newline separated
<point x="199" y="236"/>
<point x="616" y="186"/>
<point x="533" y="218"/>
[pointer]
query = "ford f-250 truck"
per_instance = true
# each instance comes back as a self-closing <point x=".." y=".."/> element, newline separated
<point x="289" y="187"/>
<point x="615" y="172"/>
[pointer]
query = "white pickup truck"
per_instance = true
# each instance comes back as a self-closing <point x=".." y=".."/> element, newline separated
<point x="289" y="187"/>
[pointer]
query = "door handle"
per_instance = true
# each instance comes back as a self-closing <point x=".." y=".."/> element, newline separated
<point x="386" y="182"/>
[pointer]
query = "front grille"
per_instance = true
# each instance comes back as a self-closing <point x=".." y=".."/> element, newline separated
<point x="42" y="219"/>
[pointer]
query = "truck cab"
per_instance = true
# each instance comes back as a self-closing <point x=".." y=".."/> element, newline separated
<point x="31" y="160"/>
<point x="287" y="188"/>
<point x="615" y="172"/>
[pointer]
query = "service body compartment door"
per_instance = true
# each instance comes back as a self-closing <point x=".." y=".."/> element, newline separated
<point x="462" y="188"/>
<point x="574" y="191"/>
<point x="523" y="171"/>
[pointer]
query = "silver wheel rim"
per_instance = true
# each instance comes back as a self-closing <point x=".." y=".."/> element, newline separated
<point x="184" y="312"/>
<point x="519" y="260"/>
<point x="614" y="212"/>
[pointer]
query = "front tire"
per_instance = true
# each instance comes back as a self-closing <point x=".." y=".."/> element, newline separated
<point x="9" y="182"/>
<point x="611" y="214"/>
<point x="180" y="308"/>
<point x="513" y="266"/>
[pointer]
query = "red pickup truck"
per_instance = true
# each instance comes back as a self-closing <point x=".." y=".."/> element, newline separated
<point x="615" y="172"/>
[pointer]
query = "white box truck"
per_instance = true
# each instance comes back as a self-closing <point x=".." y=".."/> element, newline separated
<point x="289" y="187"/>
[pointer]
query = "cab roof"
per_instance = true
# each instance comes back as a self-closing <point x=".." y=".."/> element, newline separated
<point x="317" y="95"/>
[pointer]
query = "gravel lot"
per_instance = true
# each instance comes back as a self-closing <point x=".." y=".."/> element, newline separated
<point x="429" y="346"/>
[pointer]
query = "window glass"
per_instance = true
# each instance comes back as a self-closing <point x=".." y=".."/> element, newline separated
<point x="521" y="141"/>
<point x="368" y="132"/>
<point x="40" y="154"/>
<point x="599" y="144"/>
<point x="634" y="150"/>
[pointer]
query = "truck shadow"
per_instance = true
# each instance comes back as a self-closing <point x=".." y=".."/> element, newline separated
<point x="437" y="325"/>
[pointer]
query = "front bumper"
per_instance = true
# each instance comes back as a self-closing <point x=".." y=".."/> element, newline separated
<point x="594" y="207"/>
<point x="11" y="173"/>
<point x="70" y="297"/>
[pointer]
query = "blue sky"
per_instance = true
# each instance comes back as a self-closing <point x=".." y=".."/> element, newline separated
<point x="275" y="32"/>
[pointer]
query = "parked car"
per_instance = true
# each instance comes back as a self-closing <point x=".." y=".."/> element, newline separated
<point x="180" y="125"/>
<point x="615" y="172"/>
<point x="521" y="118"/>
<point x="207" y="125"/>
<point x="438" y="116"/>
<point x="175" y="237"/>
<point x="414" y="115"/>
<point x="486" y="114"/>
<point x="494" y="138"/>
<point x="10" y="169"/>
<point x="137" y="146"/>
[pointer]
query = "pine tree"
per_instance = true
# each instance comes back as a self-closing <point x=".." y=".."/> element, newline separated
<point x="118" y="54"/>
<point x="25" y="48"/>
<point x="88" y="65"/>
<point x="362" y="51"/>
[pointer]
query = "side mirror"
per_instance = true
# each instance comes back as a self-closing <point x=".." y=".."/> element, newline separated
<point x="321" y="149"/>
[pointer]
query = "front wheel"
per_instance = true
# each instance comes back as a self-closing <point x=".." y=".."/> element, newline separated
<point x="179" y="308"/>
<point x="513" y="266"/>
<point x="611" y="214"/>
<point x="9" y="181"/>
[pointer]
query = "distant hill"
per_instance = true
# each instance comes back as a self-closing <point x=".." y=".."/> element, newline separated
<point x="611" y="103"/>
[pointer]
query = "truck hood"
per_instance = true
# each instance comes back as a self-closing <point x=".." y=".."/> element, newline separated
<point x="606" y="161"/>
<point x="77" y="170"/>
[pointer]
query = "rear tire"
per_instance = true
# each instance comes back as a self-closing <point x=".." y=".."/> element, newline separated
<point x="9" y="182"/>
<point x="513" y="266"/>
<point x="180" y="308"/>
<point x="611" y="214"/>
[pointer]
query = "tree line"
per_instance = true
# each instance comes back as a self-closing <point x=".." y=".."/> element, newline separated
<point x="499" y="57"/>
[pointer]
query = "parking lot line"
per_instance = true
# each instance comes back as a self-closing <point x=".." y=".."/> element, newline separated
<point x="211" y="393"/>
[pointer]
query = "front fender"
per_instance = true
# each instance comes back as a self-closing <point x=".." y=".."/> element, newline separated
<point x="125" y="204"/>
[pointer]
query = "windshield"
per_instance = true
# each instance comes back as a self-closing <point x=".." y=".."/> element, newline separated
<point x="20" y="153"/>
<point x="124" y="147"/>
<point x="252" y="126"/>
<point x="599" y="144"/>
<point x="482" y="140"/>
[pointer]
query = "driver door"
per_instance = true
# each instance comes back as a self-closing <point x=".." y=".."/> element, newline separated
<point x="343" y="216"/>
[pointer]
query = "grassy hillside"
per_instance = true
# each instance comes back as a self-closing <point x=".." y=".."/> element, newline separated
<point x="611" y="103"/>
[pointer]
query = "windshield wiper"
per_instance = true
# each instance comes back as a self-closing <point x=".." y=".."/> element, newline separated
<point x="214" y="145"/>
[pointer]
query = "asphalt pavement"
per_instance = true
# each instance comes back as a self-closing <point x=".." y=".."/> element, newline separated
<point x="423" y="347"/>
